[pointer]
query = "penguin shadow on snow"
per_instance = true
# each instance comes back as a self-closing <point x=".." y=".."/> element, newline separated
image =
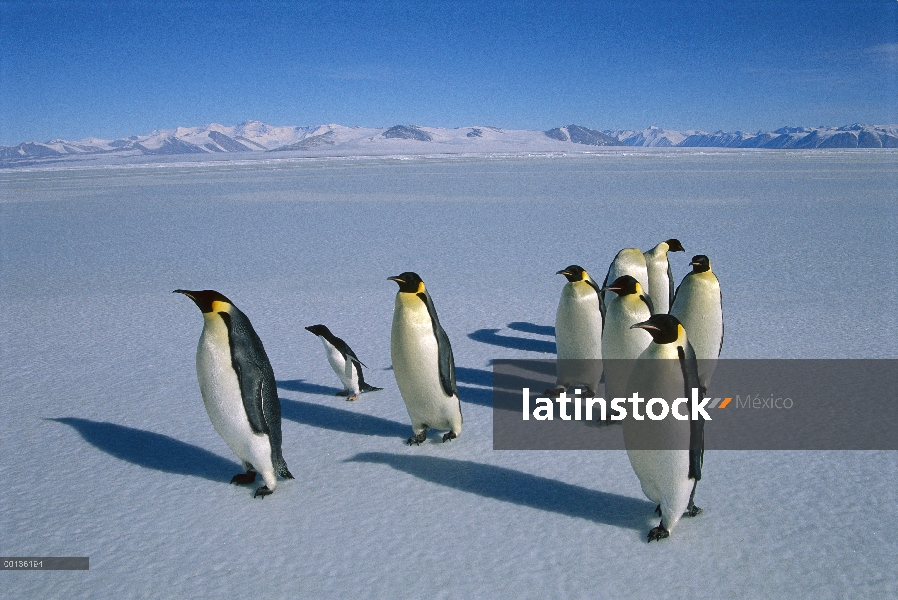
<point x="525" y="327"/>
<point x="476" y="377"/>
<point x="508" y="485"/>
<point x="302" y="386"/>
<point x="153" y="450"/>
<point x="492" y="337"/>
<point x="338" y="419"/>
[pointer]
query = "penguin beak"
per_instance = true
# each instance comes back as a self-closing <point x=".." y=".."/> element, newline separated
<point x="186" y="293"/>
<point x="396" y="278"/>
<point x="563" y="272"/>
<point x="613" y="289"/>
<point x="645" y="325"/>
<point x="309" y="329"/>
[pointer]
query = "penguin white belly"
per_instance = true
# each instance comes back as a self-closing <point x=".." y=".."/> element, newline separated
<point x="659" y="282"/>
<point x="224" y="403"/>
<point x="578" y="323"/>
<point x="618" y="340"/>
<point x="697" y="306"/>
<point x="352" y="378"/>
<point x="338" y="363"/>
<point x="664" y="478"/>
<point x="415" y="356"/>
<point x="620" y="344"/>
<point x="578" y="336"/>
<point x="663" y="474"/>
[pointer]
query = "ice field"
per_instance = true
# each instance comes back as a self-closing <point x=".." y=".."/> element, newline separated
<point x="106" y="450"/>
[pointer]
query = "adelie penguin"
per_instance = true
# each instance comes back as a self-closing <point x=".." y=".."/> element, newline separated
<point x="344" y="362"/>
<point x="698" y="304"/>
<point x="661" y="281"/>
<point x="239" y="390"/>
<point x="578" y="331"/>
<point x="422" y="362"/>
<point x="666" y="454"/>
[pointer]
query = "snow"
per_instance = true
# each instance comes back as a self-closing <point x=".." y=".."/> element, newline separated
<point x="108" y="453"/>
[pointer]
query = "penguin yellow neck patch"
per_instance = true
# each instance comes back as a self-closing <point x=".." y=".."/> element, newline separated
<point x="219" y="306"/>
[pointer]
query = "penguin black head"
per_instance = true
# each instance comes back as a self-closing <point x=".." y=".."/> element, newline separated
<point x="204" y="298"/>
<point x="409" y="282"/>
<point x="700" y="263"/>
<point x="623" y="285"/>
<point x="319" y="330"/>
<point x="573" y="273"/>
<point x="664" y="329"/>
<point x="674" y="245"/>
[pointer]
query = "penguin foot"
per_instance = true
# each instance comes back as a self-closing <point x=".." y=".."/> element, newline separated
<point x="658" y="510"/>
<point x="417" y="439"/>
<point x="262" y="492"/>
<point x="342" y="393"/>
<point x="692" y="511"/>
<point x="658" y="533"/>
<point x="353" y="397"/>
<point x="554" y="392"/>
<point x="449" y="436"/>
<point x="244" y="478"/>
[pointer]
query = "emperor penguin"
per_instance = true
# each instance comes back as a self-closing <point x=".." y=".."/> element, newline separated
<point x="578" y="331"/>
<point x="422" y="362"/>
<point x="621" y="344"/>
<point x="698" y="304"/>
<point x="668" y="474"/>
<point x="629" y="261"/>
<point x="661" y="281"/>
<point x="344" y="362"/>
<point x="239" y="391"/>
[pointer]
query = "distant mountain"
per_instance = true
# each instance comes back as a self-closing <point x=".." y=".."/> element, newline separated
<point x="582" y="135"/>
<point x="851" y="136"/>
<point x="338" y="140"/>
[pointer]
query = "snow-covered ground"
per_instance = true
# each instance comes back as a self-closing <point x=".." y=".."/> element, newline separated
<point x="107" y="451"/>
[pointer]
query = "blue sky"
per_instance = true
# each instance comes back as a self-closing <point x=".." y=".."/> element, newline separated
<point x="112" y="69"/>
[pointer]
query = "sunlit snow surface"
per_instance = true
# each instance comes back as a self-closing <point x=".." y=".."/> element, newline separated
<point x="106" y="450"/>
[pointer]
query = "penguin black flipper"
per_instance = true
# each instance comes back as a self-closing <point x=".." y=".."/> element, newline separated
<point x="602" y="305"/>
<point x="444" y="349"/>
<point x="722" y="326"/>
<point x="670" y="287"/>
<point x="347" y="352"/>
<point x="250" y="374"/>
<point x="598" y="290"/>
<point x="689" y="366"/>
<point x="648" y="302"/>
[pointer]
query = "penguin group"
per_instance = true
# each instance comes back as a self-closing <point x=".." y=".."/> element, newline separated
<point x="636" y="313"/>
<point x="640" y="317"/>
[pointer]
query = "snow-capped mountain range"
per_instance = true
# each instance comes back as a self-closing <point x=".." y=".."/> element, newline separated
<point x="338" y="140"/>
